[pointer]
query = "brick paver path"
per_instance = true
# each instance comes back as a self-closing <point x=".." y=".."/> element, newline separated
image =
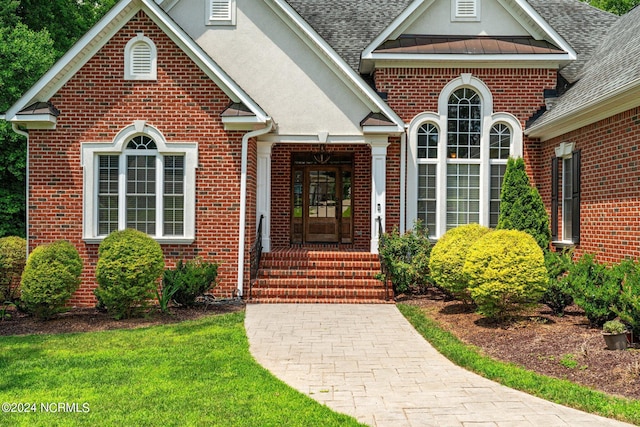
<point x="367" y="361"/>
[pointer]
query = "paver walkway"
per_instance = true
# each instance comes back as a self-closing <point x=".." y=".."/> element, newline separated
<point x="367" y="361"/>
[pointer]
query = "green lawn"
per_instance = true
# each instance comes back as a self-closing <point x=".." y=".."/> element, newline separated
<point x="555" y="390"/>
<point x="197" y="373"/>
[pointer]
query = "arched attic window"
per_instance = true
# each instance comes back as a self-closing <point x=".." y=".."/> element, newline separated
<point x="140" y="59"/>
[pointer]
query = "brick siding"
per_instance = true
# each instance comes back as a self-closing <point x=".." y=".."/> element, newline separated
<point x="185" y="105"/>
<point x="610" y="185"/>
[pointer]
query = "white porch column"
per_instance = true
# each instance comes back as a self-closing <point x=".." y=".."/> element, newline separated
<point x="379" y="146"/>
<point x="263" y="200"/>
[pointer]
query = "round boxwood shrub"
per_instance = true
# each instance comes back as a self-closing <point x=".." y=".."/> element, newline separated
<point x="13" y="257"/>
<point x="50" y="278"/>
<point x="506" y="273"/>
<point x="448" y="257"/>
<point x="129" y="266"/>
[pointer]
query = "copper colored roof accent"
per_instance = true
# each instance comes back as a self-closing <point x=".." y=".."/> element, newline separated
<point x="40" y="108"/>
<point x="237" y="109"/>
<point x="477" y="45"/>
<point x="376" y="119"/>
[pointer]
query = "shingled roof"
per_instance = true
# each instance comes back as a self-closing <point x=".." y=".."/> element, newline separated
<point x="613" y="67"/>
<point x="584" y="27"/>
<point x="349" y="26"/>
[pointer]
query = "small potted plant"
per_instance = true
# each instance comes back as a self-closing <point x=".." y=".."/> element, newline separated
<point x="615" y="335"/>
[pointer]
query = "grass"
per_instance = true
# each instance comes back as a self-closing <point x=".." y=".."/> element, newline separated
<point x="196" y="373"/>
<point x="555" y="390"/>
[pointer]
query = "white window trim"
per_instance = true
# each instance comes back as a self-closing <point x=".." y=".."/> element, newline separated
<point x="456" y="17"/>
<point x="90" y="152"/>
<point x="489" y="118"/>
<point x="128" y="59"/>
<point x="229" y="20"/>
<point x="564" y="151"/>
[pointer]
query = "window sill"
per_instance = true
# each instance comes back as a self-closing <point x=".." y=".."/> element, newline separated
<point x="160" y="240"/>
<point x="563" y="244"/>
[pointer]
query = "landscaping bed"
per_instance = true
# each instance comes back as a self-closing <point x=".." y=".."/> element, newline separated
<point x="561" y="347"/>
<point x="92" y="319"/>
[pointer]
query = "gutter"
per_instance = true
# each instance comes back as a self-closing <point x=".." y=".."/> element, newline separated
<point x="19" y="131"/>
<point x="243" y="199"/>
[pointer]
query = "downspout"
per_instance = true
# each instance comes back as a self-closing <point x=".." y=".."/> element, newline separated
<point x="243" y="199"/>
<point x="19" y="131"/>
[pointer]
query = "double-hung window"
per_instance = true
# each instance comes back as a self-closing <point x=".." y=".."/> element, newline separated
<point x="146" y="185"/>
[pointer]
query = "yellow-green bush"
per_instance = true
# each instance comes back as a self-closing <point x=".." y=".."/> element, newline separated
<point x="506" y="273"/>
<point x="13" y="257"/>
<point x="50" y="278"/>
<point x="448" y="257"/>
<point x="129" y="266"/>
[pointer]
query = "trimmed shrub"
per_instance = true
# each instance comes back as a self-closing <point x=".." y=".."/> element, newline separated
<point x="129" y="266"/>
<point x="506" y="273"/>
<point x="407" y="258"/>
<point x="558" y="295"/>
<point x="628" y="306"/>
<point x="189" y="280"/>
<point x="448" y="257"/>
<point x="521" y="207"/>
<point x="13" y="257"/>
<point x="50" y="278"/>
<point x="595" y="288"/>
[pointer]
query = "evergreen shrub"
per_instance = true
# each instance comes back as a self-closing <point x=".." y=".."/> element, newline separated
<point x="506" y="273"/>
<point x="595" y="288"/>
<point x="521" y="207"/>
<point x="558" y="295"/>
<point x="129" y="266"/>
<point x="189" y="280"/>
<point x="13" y="257"/>
<point x="50" y="277"/>
<point x="407" y="258"/>
<point x="448" y="257"/>
<point x="628" y="306"/>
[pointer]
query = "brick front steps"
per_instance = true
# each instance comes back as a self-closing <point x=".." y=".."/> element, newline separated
<point x="316" y="276"/>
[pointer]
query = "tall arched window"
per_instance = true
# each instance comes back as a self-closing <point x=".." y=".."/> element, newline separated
<point x="464" y="133"/>
<point x="457" y="158"/>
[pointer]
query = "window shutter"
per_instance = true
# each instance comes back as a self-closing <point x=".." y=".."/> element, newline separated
<point x="554" y="199"/>
<point x="141" y="59"/>
<point x="466" y="8"/>
<point x="220" y="10"/>
<point x="575" y="198"/>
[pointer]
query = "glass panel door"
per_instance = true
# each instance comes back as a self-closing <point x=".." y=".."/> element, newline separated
<point x="323" y="203"/>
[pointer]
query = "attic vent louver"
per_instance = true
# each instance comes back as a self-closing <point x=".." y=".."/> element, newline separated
<point x="141" y="59"/>
<point x="466" y="9"/>
<point x="220" y="10"/>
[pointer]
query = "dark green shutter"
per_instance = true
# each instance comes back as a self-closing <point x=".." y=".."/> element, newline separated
<point x="575" y="198"/>
<point x="554" y="199"/>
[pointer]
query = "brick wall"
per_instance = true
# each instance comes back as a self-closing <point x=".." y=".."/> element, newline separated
<point x="412" y="91"/>
<point x="185" y="105"/>
<point x="610" y="185"/>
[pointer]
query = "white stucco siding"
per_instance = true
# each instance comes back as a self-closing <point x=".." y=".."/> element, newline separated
<point x="277" y="69"/>
<point x="495" y="21"/>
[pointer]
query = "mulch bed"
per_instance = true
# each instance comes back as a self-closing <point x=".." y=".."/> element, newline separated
<point x="561" y="347"/>
<point x="92" y="319"/>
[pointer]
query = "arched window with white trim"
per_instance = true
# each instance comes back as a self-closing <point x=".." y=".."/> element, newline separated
<point x="457" y="158"/>
<point x="140" y="181"/>
<point x="140" y="59"/>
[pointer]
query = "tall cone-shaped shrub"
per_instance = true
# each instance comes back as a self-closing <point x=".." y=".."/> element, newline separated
<point x="521" y="206"/>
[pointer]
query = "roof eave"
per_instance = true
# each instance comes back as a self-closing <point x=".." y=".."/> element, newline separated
<point x="104" y="30"/>
<point x="616" y="101"/>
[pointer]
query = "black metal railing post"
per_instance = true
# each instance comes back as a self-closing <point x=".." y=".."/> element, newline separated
<point x="256" y="255"/>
